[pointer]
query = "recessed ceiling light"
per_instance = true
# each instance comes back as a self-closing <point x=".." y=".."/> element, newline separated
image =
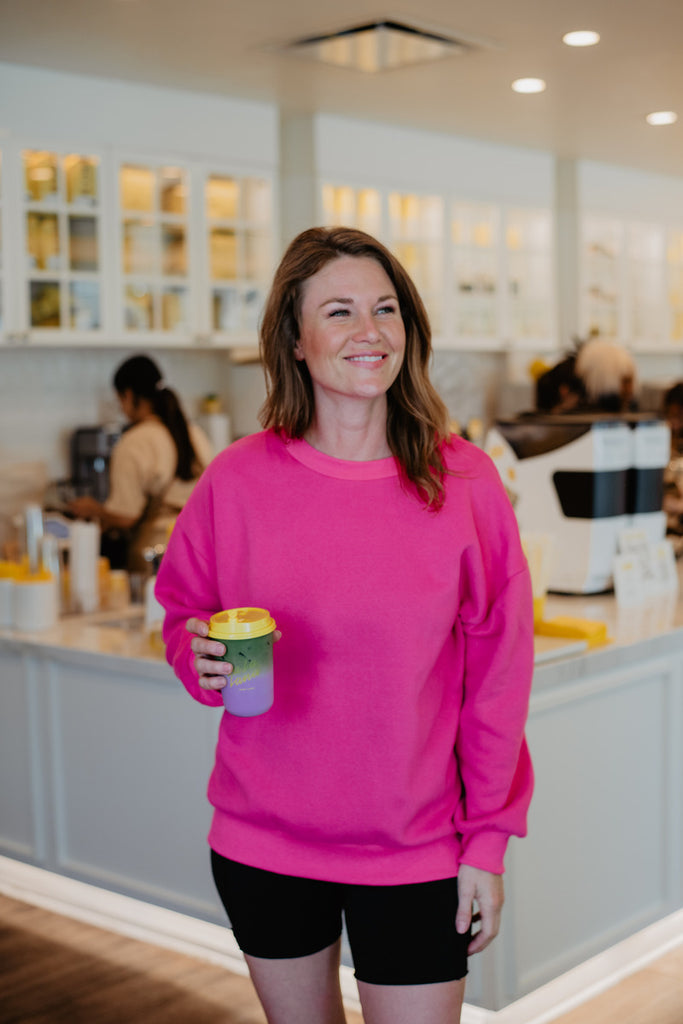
<point x="583" y="37"/>
<point x="662" y="117"/>
<point x="528" y="85"/>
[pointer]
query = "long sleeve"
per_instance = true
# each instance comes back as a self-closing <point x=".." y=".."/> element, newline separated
<point x="186" y="587"/>
<point x="492" y="755"/>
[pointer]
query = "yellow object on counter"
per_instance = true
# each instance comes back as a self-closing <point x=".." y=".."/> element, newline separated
<point x="539" y="609"/>
<point x="12" y="570"/>
<point x="593" y="632"/>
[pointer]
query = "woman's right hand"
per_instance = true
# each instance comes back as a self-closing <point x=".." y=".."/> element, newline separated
<point x="201" y="646"/>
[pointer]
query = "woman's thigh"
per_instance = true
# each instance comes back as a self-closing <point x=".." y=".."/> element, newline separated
<point x="300" y="990"/>
<point x="440" y="1003"/>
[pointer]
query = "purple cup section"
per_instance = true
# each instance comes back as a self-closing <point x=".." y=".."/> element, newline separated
<point x="249" y="689"/>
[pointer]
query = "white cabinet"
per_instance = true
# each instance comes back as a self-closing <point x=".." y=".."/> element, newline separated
<point x="529" y="305"/>
<point x="415" y="235"/>
<point x="476" y="271"/>
<point x="484" y="270"/>
<point x="154" y="271"/>
<point x="631" y="276"/>
<point x="674" y="284"/>
<point x="105" y="247"/>
<point x="238" y="247"/>
<point x="53" y="245"/>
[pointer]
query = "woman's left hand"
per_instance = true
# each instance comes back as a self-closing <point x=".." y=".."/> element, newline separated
<point x="487" y="889"/>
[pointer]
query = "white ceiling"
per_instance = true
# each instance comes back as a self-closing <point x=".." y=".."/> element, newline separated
<point x="594" y="106"/>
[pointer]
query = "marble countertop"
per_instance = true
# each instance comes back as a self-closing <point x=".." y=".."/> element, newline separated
<point x="103" y="634"/>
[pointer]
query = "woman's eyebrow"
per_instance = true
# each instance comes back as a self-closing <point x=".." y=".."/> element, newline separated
<point x="348" y="302"/>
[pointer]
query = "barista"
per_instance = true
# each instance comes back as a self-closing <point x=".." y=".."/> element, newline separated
<point x="154" y="466"/>
<point x="559" y="390"/>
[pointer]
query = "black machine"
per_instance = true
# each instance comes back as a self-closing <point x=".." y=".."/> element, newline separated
<point x="91" y="449"/>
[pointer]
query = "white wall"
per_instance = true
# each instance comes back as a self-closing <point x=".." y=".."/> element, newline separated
<point x="625" y="192"/>
<point x="46" y="393"/>
<point x="43" y="108"/>
<point x="358" y="152"/>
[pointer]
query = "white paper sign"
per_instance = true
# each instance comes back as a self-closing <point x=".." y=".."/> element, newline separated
<point x="643" y="571"/>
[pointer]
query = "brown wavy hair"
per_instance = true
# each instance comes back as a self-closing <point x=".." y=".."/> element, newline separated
<point x="417" y="419"/>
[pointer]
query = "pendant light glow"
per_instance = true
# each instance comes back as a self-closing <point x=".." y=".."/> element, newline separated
<point x="528" y="85"/>
<point x="662" y="117"/>
<point x="583" y="37"/>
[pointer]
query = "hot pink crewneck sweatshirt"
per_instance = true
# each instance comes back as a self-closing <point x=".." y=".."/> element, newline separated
<point x="394" y="750"/>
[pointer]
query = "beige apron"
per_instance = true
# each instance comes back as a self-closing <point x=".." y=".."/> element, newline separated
<point x="151" y="529"/>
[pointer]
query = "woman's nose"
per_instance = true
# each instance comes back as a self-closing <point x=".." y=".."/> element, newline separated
<point x="366" y="328"/>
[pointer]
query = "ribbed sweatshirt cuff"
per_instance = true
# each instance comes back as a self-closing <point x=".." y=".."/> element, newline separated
<point x="485" y="850"/>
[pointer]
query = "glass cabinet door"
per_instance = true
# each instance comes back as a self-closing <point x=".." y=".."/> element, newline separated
<point x="416" y="237"/>
<point x="154" y="233"/>
<point x="475" y="244"/>
<point x="62" y="232"/>
<point x="674" y="284"/>
<point x="645" y="291"/>
<point x="353" y="208"/>
<point x="530" y="290"/>
<point x="238" y="213"/>
<point x="601" y="247"/>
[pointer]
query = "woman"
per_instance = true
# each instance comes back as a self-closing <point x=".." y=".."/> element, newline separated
<point x="388" y="554"/>
<point x="154" y="465"/>
<point x="559" y="390"/>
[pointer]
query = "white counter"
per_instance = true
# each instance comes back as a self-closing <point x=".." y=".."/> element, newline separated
<point x="120" y="633"/>
<point x="104" y="761"/>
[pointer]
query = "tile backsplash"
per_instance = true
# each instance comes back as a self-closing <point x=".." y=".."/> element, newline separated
<point x="46" y="393"/>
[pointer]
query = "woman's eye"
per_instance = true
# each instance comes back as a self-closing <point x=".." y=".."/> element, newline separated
<point x="339" y="312"/>
<point x="387" y="309"/>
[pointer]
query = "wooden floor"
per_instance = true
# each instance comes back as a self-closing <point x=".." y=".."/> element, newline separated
<point x="54" y="970"/>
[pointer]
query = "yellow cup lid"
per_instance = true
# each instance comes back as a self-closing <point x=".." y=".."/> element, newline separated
<point x="241" y="623"/>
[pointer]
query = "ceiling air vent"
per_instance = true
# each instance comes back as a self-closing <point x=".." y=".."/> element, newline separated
<point x="378" y="46"/>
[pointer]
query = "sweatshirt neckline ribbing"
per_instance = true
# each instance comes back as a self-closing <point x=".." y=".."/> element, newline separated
<point x="342" y="469"/>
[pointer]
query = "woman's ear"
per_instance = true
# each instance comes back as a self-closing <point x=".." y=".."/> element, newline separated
<point x="298" y="351"/>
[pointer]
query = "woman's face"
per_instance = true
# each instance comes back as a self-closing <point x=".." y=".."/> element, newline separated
<point x="351" y="333"/>
<point x="128" y="405"/>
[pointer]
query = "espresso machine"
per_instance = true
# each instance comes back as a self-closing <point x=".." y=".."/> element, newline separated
<point x="90" y="451"/>
<point x="583" y="479"/>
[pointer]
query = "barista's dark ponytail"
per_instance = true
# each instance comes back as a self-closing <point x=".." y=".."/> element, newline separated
<point x="141" y="376"/>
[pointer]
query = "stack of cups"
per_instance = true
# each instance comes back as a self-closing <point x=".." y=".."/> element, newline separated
<point x="84" y="557"/>
<point x="35" y="601"/>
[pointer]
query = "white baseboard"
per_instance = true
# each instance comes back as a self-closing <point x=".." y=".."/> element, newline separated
<point x="596" y="975"/>
<point x="185" y="934"/>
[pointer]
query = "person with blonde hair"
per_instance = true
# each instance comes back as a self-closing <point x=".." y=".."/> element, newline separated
<point x="382" y="786"/>
<point x="609" y="375"/>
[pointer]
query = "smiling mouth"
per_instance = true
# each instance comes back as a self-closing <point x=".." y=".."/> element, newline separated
<point x="365" y="359"/>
